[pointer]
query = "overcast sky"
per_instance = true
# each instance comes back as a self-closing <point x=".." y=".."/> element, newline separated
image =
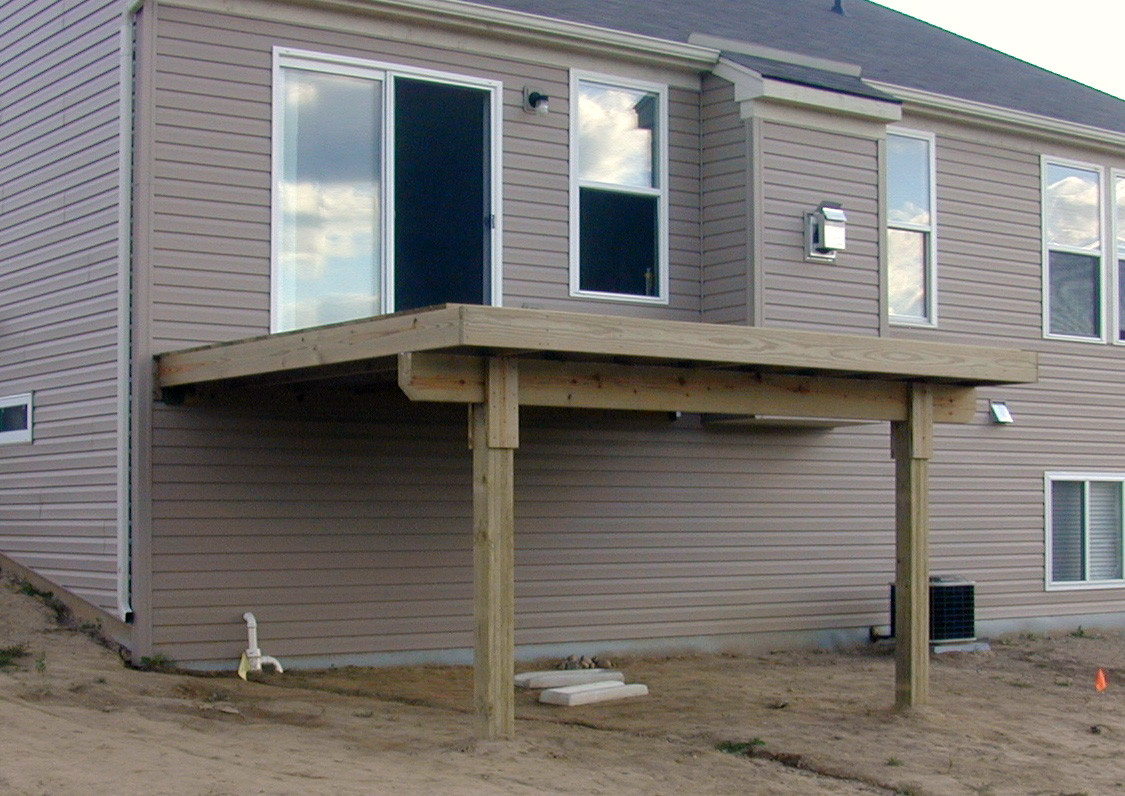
<point x="1080" y="39"/>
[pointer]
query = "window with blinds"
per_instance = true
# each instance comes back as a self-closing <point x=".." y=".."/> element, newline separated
<point x="1084" y="529"/>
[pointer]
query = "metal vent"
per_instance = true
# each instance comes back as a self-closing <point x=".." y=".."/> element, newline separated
<point x="952" y="609"/>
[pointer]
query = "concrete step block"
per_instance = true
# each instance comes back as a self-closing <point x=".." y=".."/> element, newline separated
<point x="588" y="693"/>
<point x="556" y="678"/>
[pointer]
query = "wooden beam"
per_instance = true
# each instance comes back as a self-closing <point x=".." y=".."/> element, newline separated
<point x="309" y="348"/>
<point x="460" y="379"/>
<point x="494" y="429"/>
<point x="580" y="333"/>
<point x="487" y="330"/>
<point x="912" y="441"/>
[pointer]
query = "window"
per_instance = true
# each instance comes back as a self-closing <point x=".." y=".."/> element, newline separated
<point x="1119" y="235"/>
<point x="1072" y="242"/>
<point x="384" y="189"/>
<point x="619" y="196"/>
<point x="15" y="419"/>
<point x="911" y="271"/>
<point x="1084" y="529"/>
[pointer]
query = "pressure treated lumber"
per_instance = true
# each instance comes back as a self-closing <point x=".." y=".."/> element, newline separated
<point x="484" y="330"/>
<point x="460" y="379"/>
<point x="912" y="442"/>
<point x="494" y="434"/>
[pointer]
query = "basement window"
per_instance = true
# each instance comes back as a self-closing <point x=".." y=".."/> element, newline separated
<point x="619" y="196"/>
<point x="1084" y="530"/>
<point x="15" y="419"/>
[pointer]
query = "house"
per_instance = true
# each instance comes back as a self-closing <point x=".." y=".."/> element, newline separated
<point x="695" y="270"/>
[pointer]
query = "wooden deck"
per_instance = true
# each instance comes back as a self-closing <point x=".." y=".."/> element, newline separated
<point x="497" y="359"/>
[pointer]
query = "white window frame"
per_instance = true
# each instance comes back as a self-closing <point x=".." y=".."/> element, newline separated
<point x="1048" y="576"/>
<point x="660" y="171"/>
<point x="931" y="319"/>
<point x="289" y="57"/>
<point x="1045" y="252"/>
<point x="1115" y="229"/>
<point x="25" y="434"/>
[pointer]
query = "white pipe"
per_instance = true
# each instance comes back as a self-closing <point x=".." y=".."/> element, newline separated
<point x="126" y="51"/>
<point x="254" y="656"/>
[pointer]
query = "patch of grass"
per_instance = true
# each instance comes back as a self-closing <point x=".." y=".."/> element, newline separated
<point x="893" y="761"/>
<point x="1019" y="684"/>
<point x="41" y="663"/>
<point x="156" y="663"/>
<point x="740" y="747"/>
<point x="1079" y="633"/>
<point x="9" y="655"/>
<point x="62" y="613"/>
<point x="1063" y="683"/>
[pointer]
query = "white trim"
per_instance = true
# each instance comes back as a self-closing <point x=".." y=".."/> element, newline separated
<point x="1045" y="275"/>
<point x="22" y="435"/>
<point x="774" y="54"/>
<point x="462" y="15"/>
<point x="1005" y="118"/>
<point x="660" y="173"/>
<point x="385" y="73"/>
<point x="1079" y="585"/>
<point x="1116" y="230"/>
<point x="931" y="301"/>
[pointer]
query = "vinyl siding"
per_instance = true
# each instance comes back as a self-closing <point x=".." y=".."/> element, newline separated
<point x="988" y="496"/>
<point x="802" y="168"/>
<point x="211" y="175"/>
<point x="58" y="283"/>
<point x="352" y="537"/>
<point x="726" y="260"/>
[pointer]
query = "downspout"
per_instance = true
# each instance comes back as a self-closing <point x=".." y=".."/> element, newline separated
<point x="126" y="53"/>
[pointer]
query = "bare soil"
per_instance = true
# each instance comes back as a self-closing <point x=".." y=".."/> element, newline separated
<point x="1021" y="719"/>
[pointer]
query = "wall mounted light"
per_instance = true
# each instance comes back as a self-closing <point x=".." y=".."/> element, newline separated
<point x="536" y="102"/>
<point x="825" y="232"/>
<point x="1000" y="413"/>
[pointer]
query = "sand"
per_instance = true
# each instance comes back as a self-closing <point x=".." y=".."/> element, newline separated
<point x="1021" y="719"/>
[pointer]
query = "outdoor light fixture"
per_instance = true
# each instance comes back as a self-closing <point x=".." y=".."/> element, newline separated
<point x="1000" y="412"/>
<point x="825" y="232"/>
<point x="535" y="102"/>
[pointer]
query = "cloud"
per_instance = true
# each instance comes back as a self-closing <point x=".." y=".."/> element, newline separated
<point x="612" y="147"/>
<point x="1073" y="209"/>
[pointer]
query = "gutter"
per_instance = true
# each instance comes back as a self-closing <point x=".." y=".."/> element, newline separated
<point x="124" y="307"/>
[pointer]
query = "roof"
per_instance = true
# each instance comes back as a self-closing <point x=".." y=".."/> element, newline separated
<point x="890" y="47"/>
<point x="809" y="76"/>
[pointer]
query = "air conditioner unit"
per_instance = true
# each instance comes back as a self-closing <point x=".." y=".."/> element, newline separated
<point x="952" y="609"/>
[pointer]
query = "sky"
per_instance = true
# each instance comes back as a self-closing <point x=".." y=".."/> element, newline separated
<point x="1076" y="38"/>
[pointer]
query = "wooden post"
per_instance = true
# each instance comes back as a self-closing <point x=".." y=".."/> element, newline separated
<point x="494" y="433"/>
<point x="912" y="443"/>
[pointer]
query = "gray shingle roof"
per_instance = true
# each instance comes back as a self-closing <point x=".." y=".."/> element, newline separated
<point x="808" y="76"/>
<point x="890" y="46"/>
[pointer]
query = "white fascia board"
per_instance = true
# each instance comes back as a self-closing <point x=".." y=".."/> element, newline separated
<point x="752" y="86"/>
<point x="500" y="21"/>
<point x="1006" y="118"/>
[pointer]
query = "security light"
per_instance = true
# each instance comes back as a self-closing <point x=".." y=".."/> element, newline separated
<point x="825" y="232"/>
<point x="1000" y="412"/>
<point x="536" y="102"/>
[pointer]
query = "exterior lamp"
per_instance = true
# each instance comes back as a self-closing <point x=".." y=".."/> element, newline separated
<point x="536" y="102"/>
<point x="1000" y="413"/>
<point x="825" y="232"/>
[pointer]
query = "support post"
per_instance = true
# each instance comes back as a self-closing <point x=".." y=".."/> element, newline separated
<point x="912" y="444"/>
<point x="494" y="435"/>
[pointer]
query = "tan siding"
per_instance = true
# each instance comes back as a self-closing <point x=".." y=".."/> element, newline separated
<point x="212" y="175"/>
<point x="58" y="282"/>
<point x="350" y="536"/>
<point x="988" y="497"/>
<point x="724" y="168"/>
<point x="801" y="169"/>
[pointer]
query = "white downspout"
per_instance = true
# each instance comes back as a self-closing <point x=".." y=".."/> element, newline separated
<point x="124" y="314"/>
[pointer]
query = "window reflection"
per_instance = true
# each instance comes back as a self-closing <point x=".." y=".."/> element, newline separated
<point x="1072" y="208"/>
<point x="906" y="258"/>
<point x="329" y="225"/>
<point x="908" y="183"/>
<point x="616" y="135"/>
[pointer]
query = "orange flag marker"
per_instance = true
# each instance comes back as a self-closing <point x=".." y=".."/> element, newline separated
<point x="1099" y="680"/>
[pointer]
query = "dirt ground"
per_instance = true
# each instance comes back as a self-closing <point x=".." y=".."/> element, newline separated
<point x="1021" y="719"/>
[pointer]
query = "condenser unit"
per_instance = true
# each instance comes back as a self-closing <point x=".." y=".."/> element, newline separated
<point x="952" y="609"/>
